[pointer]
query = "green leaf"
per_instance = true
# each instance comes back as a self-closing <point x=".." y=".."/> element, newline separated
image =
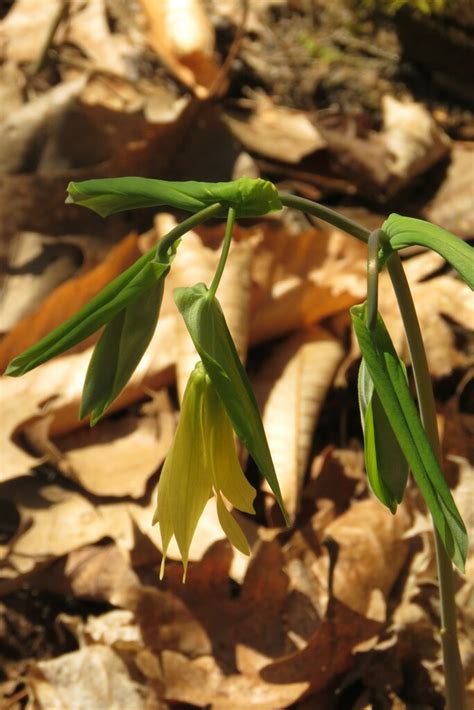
<point x="406" y="231"/>
<point x="102" y="308"/>
<point x="249" y="198"/>
<point x="209" y="332"/>
<point x="385" y="463"/>
<point x="391" y="386"/>
<point x="121" y="347"/>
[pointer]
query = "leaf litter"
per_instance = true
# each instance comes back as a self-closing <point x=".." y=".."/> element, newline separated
<point x="340" y="610"/>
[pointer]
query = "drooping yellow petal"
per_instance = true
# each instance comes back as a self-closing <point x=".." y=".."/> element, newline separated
<point x="185" y="483"/>
<point x="231" y="527"/>
<point x="226" y="472"/>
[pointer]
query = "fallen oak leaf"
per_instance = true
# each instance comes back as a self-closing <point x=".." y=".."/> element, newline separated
<point x="115" y="458"/>
<point x="371" y="552"/>
<point x="328" y="653"/>
<point x="92" y="677"/>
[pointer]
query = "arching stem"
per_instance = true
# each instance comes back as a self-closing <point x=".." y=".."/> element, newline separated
<point x="224" y="253"/>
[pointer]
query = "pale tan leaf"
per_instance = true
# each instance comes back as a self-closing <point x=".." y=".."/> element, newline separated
<point x="88" y="29"/>
<point x="413" y="140"/>
<point x="290" y="389"/>
<point x="277" y="132"/>
<point x="67" y="299"/>
<point x="55" y="389"/>
<point x="37" y="121"/>
<point x="115" y="458"/>
<point x="181" y="34"/>
<point x="93" y="677"/>
<point x="25" y="28"/>
<point x="370" y="555"/>
<point x="24" y="286"/>
<point x="451" y="207"/>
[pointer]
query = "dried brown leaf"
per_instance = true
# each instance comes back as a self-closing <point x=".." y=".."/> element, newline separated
<point x="55" y="390"/>
<point x="277" y="132"/>
<point x="115" y="458"/>
<point x="182" y="36"/>
<point x="451" y="207"/>
<point x="370" y="555"/>
<point x="93" y="677"/>
<point x="25" y="28"/>
<point x="89" y="30"/>
<point x="67" y="299"/>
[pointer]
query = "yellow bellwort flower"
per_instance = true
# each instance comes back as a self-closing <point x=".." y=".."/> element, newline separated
<point x="201" y="462"/>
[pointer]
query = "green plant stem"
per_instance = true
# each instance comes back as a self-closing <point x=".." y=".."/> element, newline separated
<point x="224" y="253"/>
<point x="326" y="214"/>
<point x="180" y="230"/>
<point x="373" y="278"/>
<point x="455" y="694"/>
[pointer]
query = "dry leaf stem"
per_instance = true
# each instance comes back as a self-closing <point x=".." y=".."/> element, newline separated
<point x="455" y="695"/>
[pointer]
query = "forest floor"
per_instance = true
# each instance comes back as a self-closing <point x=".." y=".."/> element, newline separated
<point x="369" y="114"/>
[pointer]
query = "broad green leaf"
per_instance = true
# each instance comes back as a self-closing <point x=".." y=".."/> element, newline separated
<point x="391" y="386"/>
<point x="208" y="329"/>
<point x="386" y="466"/>
<point x="406" y="231"/>
<point x="102" y="308"/>
<point x="121" y="347"/>
<point x="249" y="198"/>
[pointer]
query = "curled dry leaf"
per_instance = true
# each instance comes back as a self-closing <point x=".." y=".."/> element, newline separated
<point x="181" y="34"/>
<point x="201" y="682"/>
<point x="52" y="522"/>
<point x="381" y="163"/>
<point x="98" y="572"/>
<point x="294" y="380"/>
<point x="413" y="140"/>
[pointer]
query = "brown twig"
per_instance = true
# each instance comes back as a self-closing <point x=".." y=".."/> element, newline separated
<point x="218" y="84"/>
<point x="53" y="28"/>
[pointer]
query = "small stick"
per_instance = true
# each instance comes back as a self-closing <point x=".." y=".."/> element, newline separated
<point x="55" y="22"/>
